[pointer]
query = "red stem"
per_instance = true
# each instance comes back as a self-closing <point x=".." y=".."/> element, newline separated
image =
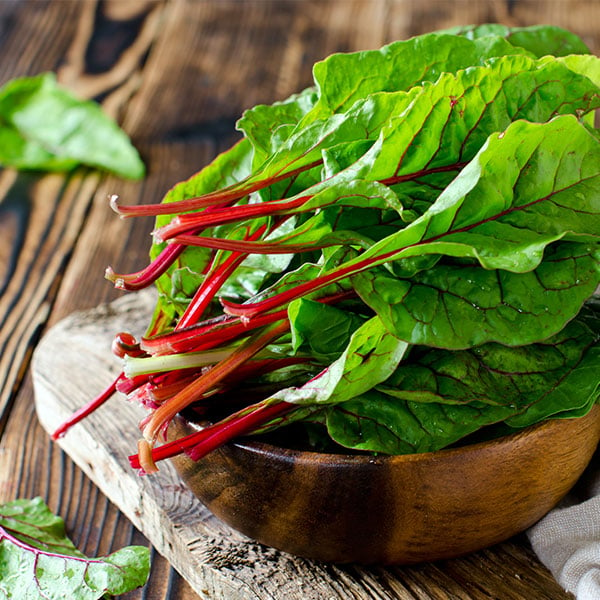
<point x="207" y="335"/>
<point x="416" y="174"/>
<point x="212" y="284"/>
<point x="199" y="444"/>
<point x="148" y="275"/>
<point x="250" y="310"/>
<point x="87" y="409"/>
<point x="246" y="246"/>
<point x="165" y="412"/>
<point x="188" y="223"/>
<point x="223" y="196"/>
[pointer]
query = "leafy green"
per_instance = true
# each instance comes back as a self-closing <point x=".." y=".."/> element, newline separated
<point x="439" y="397"/>
<point x="343" y="79"/>
<point x="434" y="129"/>
<point x="527" y="188"/>
<point x="371" y="356"/>
<point x="425" y="218"/>
<point x="38" y="561"/>
<point x="44" y="127"/>
<point x="540" y="40"/>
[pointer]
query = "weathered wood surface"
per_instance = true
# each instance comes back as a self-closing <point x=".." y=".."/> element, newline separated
<point x="176" y="74"/>
<point x="218" y="562"/>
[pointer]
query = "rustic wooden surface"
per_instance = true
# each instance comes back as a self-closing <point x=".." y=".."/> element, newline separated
<point x="218" y="562"/>
<point x="177" y="74"/>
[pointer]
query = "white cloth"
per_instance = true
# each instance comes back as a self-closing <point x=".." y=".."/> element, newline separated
<point x="567" y="540"/>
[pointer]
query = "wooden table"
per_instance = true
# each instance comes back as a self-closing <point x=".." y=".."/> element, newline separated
<point x="177" y="75"/>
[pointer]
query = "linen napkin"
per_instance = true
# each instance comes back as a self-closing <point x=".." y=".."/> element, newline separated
<point x="567" y="539"/>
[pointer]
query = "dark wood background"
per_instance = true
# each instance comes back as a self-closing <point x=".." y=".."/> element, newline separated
<point x="177" y="74"/>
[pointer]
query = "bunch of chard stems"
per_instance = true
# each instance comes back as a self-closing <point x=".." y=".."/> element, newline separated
<point x="203" y="359"/>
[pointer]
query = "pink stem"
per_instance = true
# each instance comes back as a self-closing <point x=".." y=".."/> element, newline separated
<point x="188" y="223"/>
<point x="223" y="196"/>
<point x="89" y="408"/>
<point x="212" y="284"/>
<point x="199" y="444"/>
<point x="246" y="246"/>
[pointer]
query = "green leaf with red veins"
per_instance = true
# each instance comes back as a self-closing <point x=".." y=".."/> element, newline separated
<point x="344" y="78"/>
<point x="459" y="306"/>
<point x="528" y="188"/>
<point x="437" y="397"/>
<point x="372" y="355"/>
<point x="38" y="561"/>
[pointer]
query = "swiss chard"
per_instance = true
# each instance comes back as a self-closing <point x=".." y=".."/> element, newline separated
<point x="37" y="560"/>
<point x="45" y="127"/>
<point x="439" y="397"/>
<point x="387" y="240"/>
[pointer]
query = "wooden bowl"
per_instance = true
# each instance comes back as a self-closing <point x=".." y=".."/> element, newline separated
<point x="392" y="509"/>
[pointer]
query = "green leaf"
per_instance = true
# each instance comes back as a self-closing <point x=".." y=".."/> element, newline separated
<point x="322" y="329"/>
<point x="369" y="106"/>
<point x="342" y="79"/>
<point x="438" y="397"/>
<point x="267" y="126"/>
<point x="540" y="40"/>
<point x="458" y="306"/>
<point x="371" y="356"/>
<point x="43" y="126"/>
<point x="416" y="141"/>
<point x="422" y="146"/>
<point x="527" y="188"/>
<point x="38" y="561"/>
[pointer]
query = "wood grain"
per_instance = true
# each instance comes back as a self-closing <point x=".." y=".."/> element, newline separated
<point x="177" y="74"/>
<point x="218" y="562"/>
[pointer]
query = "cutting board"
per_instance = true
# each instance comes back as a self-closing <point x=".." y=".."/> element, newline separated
<point x="73" y="362"/>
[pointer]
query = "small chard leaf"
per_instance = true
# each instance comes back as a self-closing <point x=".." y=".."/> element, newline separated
<point x="372" y="355"/>
<point x="20" y="153"/>
<point x="37" y="560"/>
<point x="268" y="126"/>
<point x="43" y="126"/>
<point x="437" y="397"/>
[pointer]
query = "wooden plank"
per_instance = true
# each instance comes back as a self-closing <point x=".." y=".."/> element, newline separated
<point x="43" y="215"/>
<point x="218" y="562"/>
<point x="41" y="223"/>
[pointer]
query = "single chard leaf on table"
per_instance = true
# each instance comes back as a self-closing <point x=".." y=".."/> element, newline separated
<point x="38" y="561"/>
<point x="44" y="127"/>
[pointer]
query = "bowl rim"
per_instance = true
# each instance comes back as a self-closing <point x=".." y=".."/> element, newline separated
<point x="258" y="447"/>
